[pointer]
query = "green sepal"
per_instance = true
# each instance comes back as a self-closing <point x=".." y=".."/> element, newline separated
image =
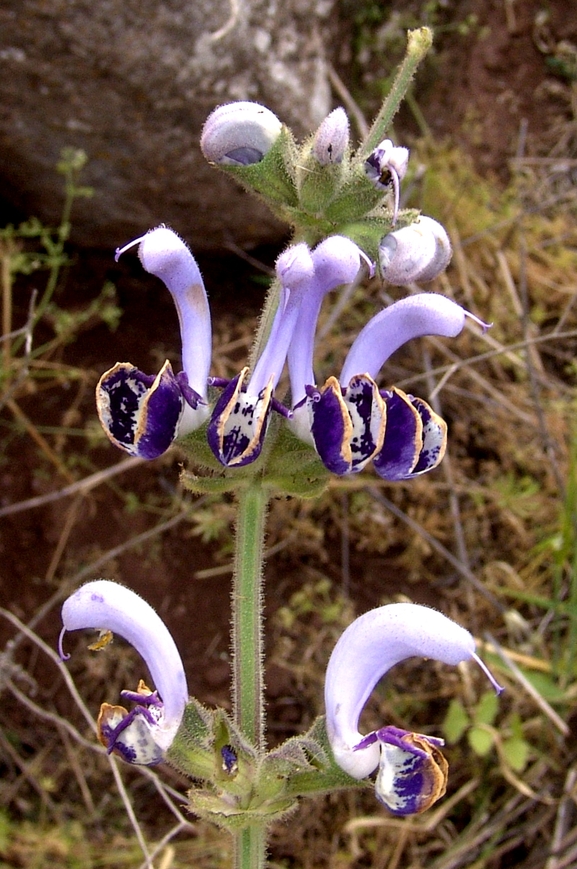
<point x="322" y="775"/>
<point x="192" y="750"/>
<point x="195" y="446"/>
<point x="272" y="178"/>
<point x="206" y="485"/>
<point x="197" y="749"/>
<point x="318" y="185"/>
<point x="228" y="814"/>
<point x="357" y="196"/>
<point x="294" y="468"/>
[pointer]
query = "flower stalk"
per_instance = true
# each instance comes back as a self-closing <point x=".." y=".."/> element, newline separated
<point x="247" y="649"/>
<point x="247" y="604"/>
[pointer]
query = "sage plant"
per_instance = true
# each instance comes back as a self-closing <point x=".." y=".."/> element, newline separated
<point x="242" y="435"/>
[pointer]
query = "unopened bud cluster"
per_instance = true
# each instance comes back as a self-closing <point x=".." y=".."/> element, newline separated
<point x="322" y="187"/>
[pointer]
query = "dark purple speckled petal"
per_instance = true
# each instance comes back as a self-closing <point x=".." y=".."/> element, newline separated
<point x="403" y="438"/>
<point x="332" y="428"/>
<point x="367" y="412"/>
<point x="239" y="422"/>
<point x="412" y="771"/>
<point x="139" y="413"/>
<point x="434" y="437"/>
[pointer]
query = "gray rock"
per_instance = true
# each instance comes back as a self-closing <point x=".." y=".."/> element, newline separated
<point x="131" y="83"/>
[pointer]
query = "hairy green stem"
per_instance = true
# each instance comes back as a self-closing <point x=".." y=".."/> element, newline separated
<point x="247" y="646"/>
<point x="250" y="848"/>
<point x="418" y="43"/>
<point x="247" y="638"/>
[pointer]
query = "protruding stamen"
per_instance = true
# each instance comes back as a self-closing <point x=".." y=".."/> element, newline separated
<point x="498" y="688"/>
<point x="61" y="653"/>
<point x="120" y="250"/>
<point x="484" y="326"/>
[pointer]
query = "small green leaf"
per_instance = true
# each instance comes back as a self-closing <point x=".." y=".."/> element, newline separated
<point x="516" y="753"/>
<point x="456" y="721"/>
<point x="480" y="740"/>
<point x="486" y="709"/>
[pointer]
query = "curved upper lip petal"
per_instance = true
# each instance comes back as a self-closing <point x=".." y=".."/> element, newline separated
<point x="107" y="605"/>
<point x="336" y="261"/>
<point x="412" y="317"/>
<point x="367" y="650"/>
<point x="165" y="255"/>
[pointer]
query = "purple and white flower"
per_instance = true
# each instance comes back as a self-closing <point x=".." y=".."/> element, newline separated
<point x="349" y="420"/>
<point x="143" y="414"/>
<point x="143" y="735"/>
<point x="411" y="774"/>
<point x="386" y="167"/>
<point x="239" y="134"/>
<point x="418" y="252"/>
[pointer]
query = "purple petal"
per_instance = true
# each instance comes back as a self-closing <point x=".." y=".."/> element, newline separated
<point x="367" y="650"/>
<point x="434" y="437"/>
<point x="412" y="772"/>
<point x="140" y="413"/>
<point x="368" y="416"/>
<point x="132" y="735"/>
<point x="412" y="317"/>
<point x="332" y="428"/>
<point x="238" y="423"/>
<point x="403" y="438"/>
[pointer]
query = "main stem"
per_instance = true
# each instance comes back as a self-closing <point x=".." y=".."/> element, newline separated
<point x="247" y="646"/>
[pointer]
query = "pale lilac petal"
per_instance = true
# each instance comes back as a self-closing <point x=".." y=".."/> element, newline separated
<point x="367" y="650"/>
<point x="295" y="270"/>
<point x="239" y="133"/>
<point x="336" y="261"/>
<point x="418" y="252"/>
<point x="412" y="317"/>
<point x="163" y="254"/>
<point x="106" y="605"/>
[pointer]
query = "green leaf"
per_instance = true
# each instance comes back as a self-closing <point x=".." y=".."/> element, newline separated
<point x="486" y="709"/>
<point x="516" y="753"/>
<point x="480" y="740"/>
<point x="456" y="721"/>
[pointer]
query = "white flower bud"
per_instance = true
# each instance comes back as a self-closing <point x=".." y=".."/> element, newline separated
<point x="332" y="138"/>
<point x="239" y="134"/>
<point x="418" y="252"/>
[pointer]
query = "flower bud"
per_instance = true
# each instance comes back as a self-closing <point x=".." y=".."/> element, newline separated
<point x="332" y="138"/>
<point x="386" y="167"/>
<point x="418" y="252"/>
<point x="239" y="134"/>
